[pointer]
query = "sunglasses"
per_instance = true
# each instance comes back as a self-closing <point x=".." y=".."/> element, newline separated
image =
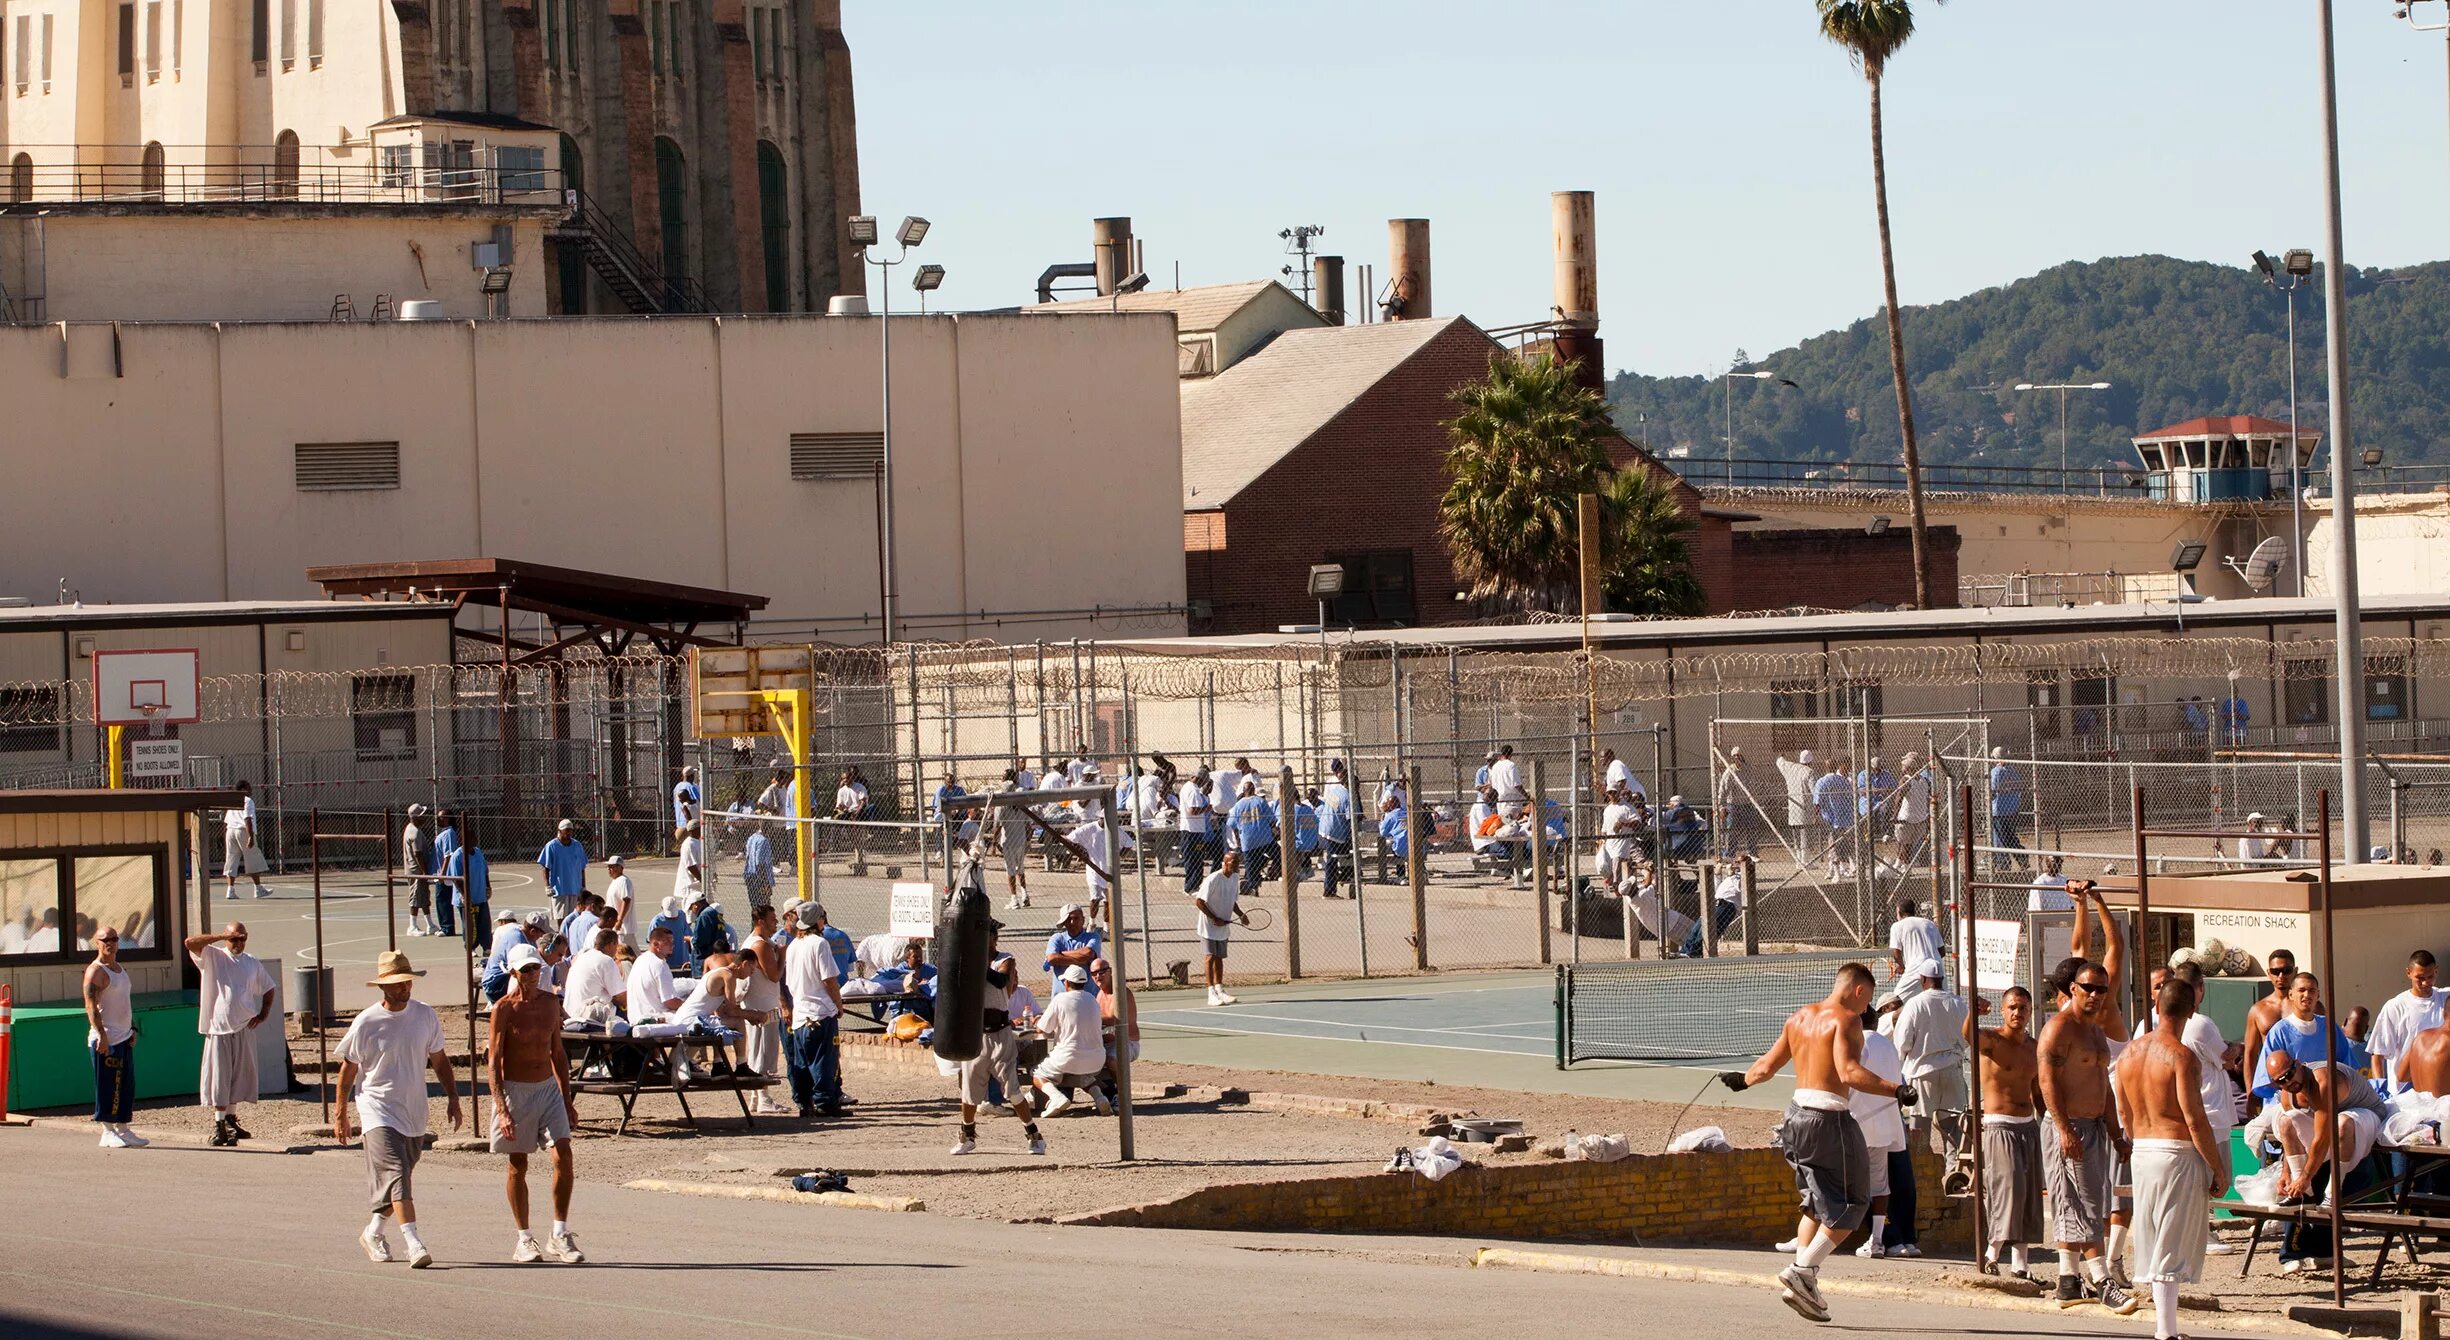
<point x="2090" y="988"/>
<point x="108" y="940"/>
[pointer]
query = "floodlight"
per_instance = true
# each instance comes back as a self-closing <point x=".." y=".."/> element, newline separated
<point x="497" y="280"/>
<point x="1326" y="579"/>
<point x="1133" y="283"/>
<point x="2299" y="262"/>
<point x="2263" y="565"/>
<point x="2187" y="556"/>
<point x="2371" y="456"/>
<point x="2101" y="386"/>
<point x="863" y="230"/>
<point x="1879" y="526"/>
<point x="928" y="279"/>
<point x="912" y="232"/>
<point x="2024" y="386"/>
<point x="2271" y="272"/>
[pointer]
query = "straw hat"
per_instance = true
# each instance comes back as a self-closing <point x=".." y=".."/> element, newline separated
<point x="392" y="966"/>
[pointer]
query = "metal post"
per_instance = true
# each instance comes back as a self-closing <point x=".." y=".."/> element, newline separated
<point x="2296" y="461"/>
<point x="2139" y="984"/>
<point x="1573" y="848"/>
<point x="1416" y="867"/>
<point x="1752" y="937"/>
<point x="2322" y="847"/>
<point x="1708" y="873"/>
<point x="1972" y="986"/>
<point x="1127" y="1009"/>
<point x="884" y="341"/>
<point x="1285" y="857"/>
<point x="2348" y="637"/>
<point x="1541" y="862"/>
<point x="391" y="906"/>
<point x="322" y="997"/>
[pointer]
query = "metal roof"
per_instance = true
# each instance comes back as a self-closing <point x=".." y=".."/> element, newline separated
<point x="1194" y="309"/>
<point x="606" y="607"/>
<point x="131" y="800"/>
<point x="203" y="613"/>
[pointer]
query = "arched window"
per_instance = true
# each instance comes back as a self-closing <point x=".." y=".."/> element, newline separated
<point x="670" y="200"/>
<point x="573" y="166"/>
<point x="21" y="178"/>
<point x="774" y="216"/>
<point x="152" y="176"/>
<point x="285" y="166"/>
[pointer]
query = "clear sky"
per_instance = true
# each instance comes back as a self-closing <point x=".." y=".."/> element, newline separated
<point x="1728" y="144"/>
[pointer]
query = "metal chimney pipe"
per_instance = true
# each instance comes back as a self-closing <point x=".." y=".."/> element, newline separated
<point x="1327" y="287"/>
<point x="1407" y="269"/>
<point x="1110" y="247"/>
<point x="1576" y="218"/>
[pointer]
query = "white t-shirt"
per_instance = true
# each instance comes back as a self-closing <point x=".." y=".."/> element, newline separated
<point x="235" y="821"/>
<point x="1221" y="890"/>
<point x="2049" y="895"/>
<point x="595" y="976"/>
<point x="1507" y="777"/>
<point x="232" y="990"/>
<point x="1619" y="776"/>
<point x="1916" y="939"/>
<point x="2204" y="1040"/>
<point x="1731" y="887"/>
<point x="1914" y="800"/>
<point x="1071" y="1025"/>
<point x="1618" y="823"/>
<point x="650" y="985"/>
<point x="1024" y="780"/>
<point x="619" y="897"/>
<point x="705" y="1003"/>
<point x="1883" y="1125"/>
<point x="693" y="852"/>
<point x="1223" y="786"/>
<point x="392" y="1049"/>
<point x="2397" y="1023"/>
<point x="846" y="800"/>
<point x="1194" y="803"/>
<point x="807" y="966"/>
<point x="1091" y="838"/>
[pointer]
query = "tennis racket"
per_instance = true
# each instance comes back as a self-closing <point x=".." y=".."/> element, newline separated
<point x="1260" y="918"/>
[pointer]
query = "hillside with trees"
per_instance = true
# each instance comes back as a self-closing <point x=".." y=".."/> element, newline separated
<point x="2176" y="339"/>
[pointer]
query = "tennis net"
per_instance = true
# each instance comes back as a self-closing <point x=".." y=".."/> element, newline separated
<point x="1692" y="1010"/>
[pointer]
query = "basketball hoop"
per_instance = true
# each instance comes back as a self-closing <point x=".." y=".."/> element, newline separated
<point x="150" y="698"/>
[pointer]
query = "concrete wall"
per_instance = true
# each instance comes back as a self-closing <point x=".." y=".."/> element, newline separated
<point x="279" y="264"/>
<point x="1038" y="464"/>
<point x="2402" y="544"/>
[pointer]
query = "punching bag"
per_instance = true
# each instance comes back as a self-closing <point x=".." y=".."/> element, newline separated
<point x="961" y="966"/>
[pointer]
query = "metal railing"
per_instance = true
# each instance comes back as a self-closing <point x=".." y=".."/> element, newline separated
<point x="2022" y="589"/>
<point x="261" y="181"/>
<point x="666" y="292"/>
<point x="2099" y="481"/>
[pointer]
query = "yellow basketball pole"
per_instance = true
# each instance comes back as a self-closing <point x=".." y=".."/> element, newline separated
<point x="790" y="709"/>
<point x="112" y="736"/>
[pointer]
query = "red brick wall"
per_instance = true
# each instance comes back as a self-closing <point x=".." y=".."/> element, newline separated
<point x="1369" y="481"/>
<point x="1837" y="569"/>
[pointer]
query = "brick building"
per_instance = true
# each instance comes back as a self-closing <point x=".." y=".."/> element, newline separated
<point x="1327" y="445"/>
<point x="1785" y="569"/>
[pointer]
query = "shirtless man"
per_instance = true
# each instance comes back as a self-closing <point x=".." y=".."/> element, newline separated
<point x="2092" y="908"/>
<point x="2180" y="1165"/>
<point x="2281" y="965"/>
<point x="2085" y="1143"/>
<point x="531" y="1099"/>
<point x="2426" y="1066"/>
<point x="1818" y="1135"/>
<point x="2011" y="1136"/>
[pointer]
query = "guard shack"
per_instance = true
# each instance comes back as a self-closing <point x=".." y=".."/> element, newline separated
<point x="71" y="862"/>
<point x="2224" y="458"/>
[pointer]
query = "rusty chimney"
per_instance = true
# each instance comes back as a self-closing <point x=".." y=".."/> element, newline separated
<point x="1407" y="269"/>
<point x="1575" y="219"/>
<point x="1110" y="247"/>
<point x="1327" y="287"/>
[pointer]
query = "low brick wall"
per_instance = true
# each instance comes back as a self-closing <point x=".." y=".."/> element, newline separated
<point x="1743" y="1197"/>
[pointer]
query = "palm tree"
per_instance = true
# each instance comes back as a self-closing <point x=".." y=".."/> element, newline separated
<point x="1872" y="31"/>
<point x="1528" y="441"/>
<point x="1648" y="565"/>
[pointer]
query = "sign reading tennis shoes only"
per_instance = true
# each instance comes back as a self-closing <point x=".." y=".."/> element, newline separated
<point x="157" y="758"/>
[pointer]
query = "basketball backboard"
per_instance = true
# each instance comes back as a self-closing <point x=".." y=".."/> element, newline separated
<point x="139" y="688"/>
<point x="726" y="682"/>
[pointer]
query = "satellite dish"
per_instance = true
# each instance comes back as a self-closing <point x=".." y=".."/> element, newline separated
<point x="2262" y="567"/>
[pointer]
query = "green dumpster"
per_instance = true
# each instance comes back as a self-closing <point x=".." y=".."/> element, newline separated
<point x="49" y="1065"/>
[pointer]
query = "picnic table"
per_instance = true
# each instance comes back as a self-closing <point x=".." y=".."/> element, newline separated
<point x="2396" y="1208"/>
<point x="657" y="1058"/>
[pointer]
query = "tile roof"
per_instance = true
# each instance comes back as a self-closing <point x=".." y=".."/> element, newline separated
<point x="1240" y="422"/>
<point x="2225" y="425"/>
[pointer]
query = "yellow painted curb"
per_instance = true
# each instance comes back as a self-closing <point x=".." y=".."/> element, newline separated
<point x="1510" y="1258"/>
<point x="840" y="1200"/>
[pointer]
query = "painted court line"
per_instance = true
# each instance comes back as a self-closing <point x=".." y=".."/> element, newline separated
<point x="1362" y="1042"/>
<point x="1328" y="1023"/>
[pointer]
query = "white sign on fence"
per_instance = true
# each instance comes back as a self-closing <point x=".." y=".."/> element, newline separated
<point x="157" y="758"/>
<point x="913" y="911"/>
<point x="1995" y="945"/>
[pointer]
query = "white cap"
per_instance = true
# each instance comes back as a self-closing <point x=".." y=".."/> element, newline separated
<point x="1076" y="975"/>
<point x="672" y="903"/>
<point x="565" y="826"/>
<point x="1999" y="751"/>
<point x="612" y="860"/>
<point x="2255" y="817"/>
<point x="1070" y="908"/>
<point x="524" y="956"/>
<point x="1925" y="969"/>
<point x="1804" y="757"/>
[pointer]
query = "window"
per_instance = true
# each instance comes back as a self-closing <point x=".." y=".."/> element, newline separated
<point x="671" y="198"/>
<point x="314" y="34"/>
<point x="153" y="175"/>
<point x="285" y="165"/>
<point x="153" y="40"/>
<point x="127" y="45"/>
<point x="53" y="902"/>
<point x="2089" y="699"/>
<point x="259" y="34"/>
<point x="1859" y="699"/>
<point x="521" y="167"/>
<point x="837" y="455"/>
<point x="383" y="711"/>
<point x="347" y="467"/>
<point x="46" y="51"/>
<point x="1793" y="700"/>
<point x="25" y="52"/>
<point x="2385" y="689"/>
<point x="178" y="36"/>
<point x="547" y="33"/>
<point x="2305" y="696"/>
<point x="569" y="37"/>
<point x="774" y="220"/>
<point x="289" y="34"/>
<point x="398" y="165"/>
<point x="30" y="713"/>
<point x="1377" y="589"/>
<point x="2042" y="703"/>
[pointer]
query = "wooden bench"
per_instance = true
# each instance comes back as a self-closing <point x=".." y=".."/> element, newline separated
<point x="656" y="1060"/>
<point x="2395" y="1226"/>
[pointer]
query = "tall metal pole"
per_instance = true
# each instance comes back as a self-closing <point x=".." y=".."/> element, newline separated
<point x="2062" y="439"/>
<point x="884" y="339"/>
<point x="2296" y="456"/>
<point x="1729" y="383"/>
<point x="2347" y="638"/>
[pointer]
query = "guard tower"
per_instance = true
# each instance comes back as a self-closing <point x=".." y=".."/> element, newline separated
<point x="2222" y="458"/>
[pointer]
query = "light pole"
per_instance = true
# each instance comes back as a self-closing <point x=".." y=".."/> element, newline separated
<point x="2348" y="637"/>
<point x="2407" y="11"/>
<point x="2063" y="388"/>
<point x="863" y="240"/>
<point x="2297" y="263"/>
<point x="1730" y="379"/>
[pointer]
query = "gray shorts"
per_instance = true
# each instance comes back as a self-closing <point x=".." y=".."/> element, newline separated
<point x="537" y="1117"/>
<point x="998" y="1060"/>
<point x="1213" y="948"/>
<point x="1047" y="1074"/>
<point x="391" y="1160"/>
<point x="1832" y="1166"/>
<point x="2080" y="1189"/>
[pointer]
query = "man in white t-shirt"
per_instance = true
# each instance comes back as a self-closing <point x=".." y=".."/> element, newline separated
<point x="2401" y="1018"/>
<point x="1091" y="838"/>
<point x="1218" y="904"/>
<point x="233" y="999"/>
<point x="1619" y="827"/>
<point x="689" y="873"/>
<point x="2049" y="889"/>
<point x="1507" y="776"/>
<point x="1075" y="1044"/>
<point x="596" y="992"/>
<point x="242" y="844"/>
<point x="1913" y="802"/>
<point x="1225" y="786"/>
<point x="1198" y="829"/>
<point x="1797" y="774"/>
<point x="1618" y="776"/>
<point x="651" y="992"/>
<point x="619" y="896"/>
<point x="1884" y="1130"/>
<point x="1913" y="938"/>
<point x="383" y="1061"/>
<point x="812" y="1050"/>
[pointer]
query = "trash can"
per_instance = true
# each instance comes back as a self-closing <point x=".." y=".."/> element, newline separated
<point x="314" y="1003"/>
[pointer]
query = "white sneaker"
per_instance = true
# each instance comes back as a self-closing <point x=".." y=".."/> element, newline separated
<point x="377" y="1250"/>
<point x="1224" y="997"/>
<point x="966" y="1145"/>
<point x="229" y="895"/>
<point x="111" y="1138"/>
<point x="418" y="1257"/>
<point x="1906" y="1249"/>
<point x="1787" y="1248"/>
<point x="2219" y="1247"/>
<point x="1800" y="1290"/>
<point x="1871" y="1250"/>
<point x="131" y="1139"/>
<point x="526" y="1251"/>
<point x="1212" y="995"/>
<point x="262" y="892"/>
<point x="1105" y="1105"/>
<point x="564" y="1248"/>
<point x="1037" y="1145"/>
<point x="1061" y="1102"/>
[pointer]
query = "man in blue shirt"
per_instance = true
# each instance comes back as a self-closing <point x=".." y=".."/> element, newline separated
<point x="2234" y="716"/>
<point x="1306" y="830"/>
<point x="709" y="933"/>
<point x="2007" y="804"/>
<point x="1253" y="824"/>
<point x="1335" y="806"/>
<point x="685" y="799"/>
<point x="446" y="897"/>
<point x="1073" y="944"/>
<point x="1833" y="801"/>
<point x="757" y="868"/>
<point x="494" y="979"/>
<point x="565" y="868"/>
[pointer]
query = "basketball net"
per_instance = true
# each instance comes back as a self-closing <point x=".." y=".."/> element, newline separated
<point x="154" y="725"/>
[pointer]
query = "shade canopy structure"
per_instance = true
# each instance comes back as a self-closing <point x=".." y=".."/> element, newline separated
<point x="608" y="610"/>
